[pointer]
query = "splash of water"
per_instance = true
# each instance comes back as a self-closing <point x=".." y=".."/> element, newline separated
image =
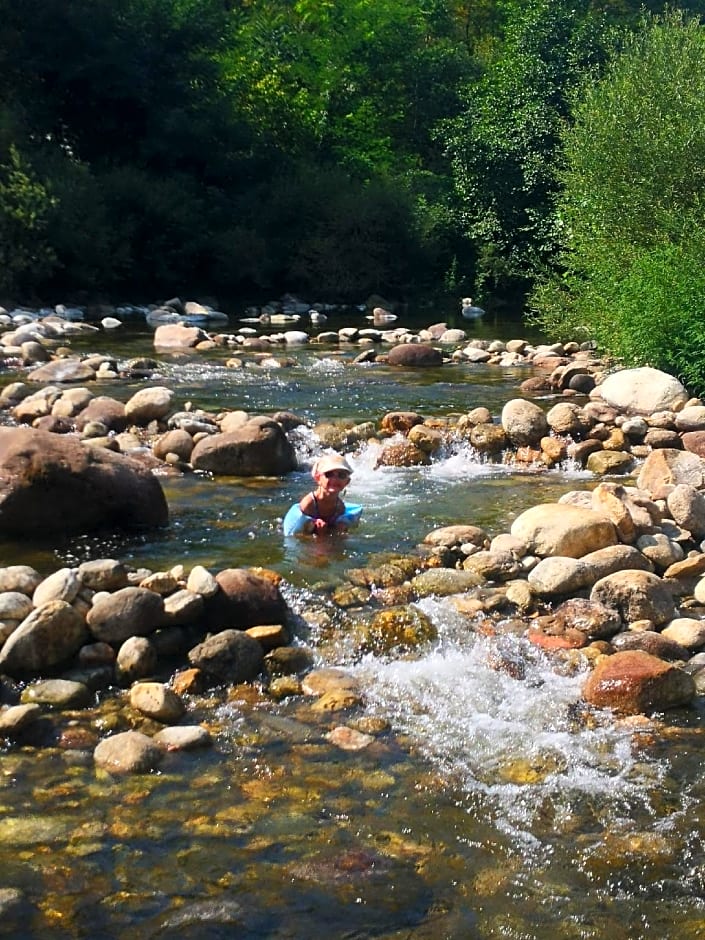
<point x="512" y="737"/>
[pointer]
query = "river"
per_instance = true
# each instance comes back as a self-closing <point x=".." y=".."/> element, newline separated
<point x="492" y="806"/>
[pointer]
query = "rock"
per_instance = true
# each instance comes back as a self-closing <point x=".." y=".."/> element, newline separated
<point x="609" y="461"/>
<point x="524" y="422"/>
<point x="104" y="411"/>
<point x="494" y="565"/>
<point x="229" y="656"/>
<point x="397" y="630"/>
<point x="157" y="701"/>
<point x="610" y="501"/>
<point x="400" y="421"/>
<point x="21" y="578"/>
<point x="661" y="551"/>
<point x="50" y="635"/>
<point x="128" y="752"/>
<point x="636" y="595"/>
<point x="201" y="581"/>
<point x="62" y="585"/>
<point x="258" y="448"/>
<point x="429" y="440"/>
<point x="286" y="660"/>
<point x="489" y="438"/>
<point x="149" y="404"/>
<point x="694" y="441"/>
<point x="62" y="370"/>
<point x="687" y="632"/>
<point x="643" y="391"/>
<point x="175" y="336"/>
<point x="415" y="355"/>
<point x="686" y="505"/>
<point x="562" y="529"/>
<point x="131" y="611"/>
<point x="331" y="681"/>
<point x="652" y="642"/>
<point x="245" y="599"/>
<point x="593" y="619"/>
<point x="16" y="718"/>
<point x="348" y="739"/>
<point x="14" y="606"/>
<point x="270" y="636"/>
<point x="183" y="738"/>
<point x="668" y="467"/>
<point x="104" y="574"/>
<point x="402" y="454"/>
<point x="51" y="484"/>
<point x="636" y="682"/>
<point x="136" y="659"/>
<point x="614" y="558"/>
<point x="559" y="575"/>
<point x="444" y="581"/>
<point x="58" y="694"/>
<point x="567" y="418"/>
<point x="183" y="607"/>
<point x="452" y="535"/>
<point x="177" y="442"/>
<point x="691" y="567"/>
<point x="691" y="418"/>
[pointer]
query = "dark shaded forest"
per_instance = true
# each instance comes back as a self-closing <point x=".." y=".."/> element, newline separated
<point x="341" y="147"/>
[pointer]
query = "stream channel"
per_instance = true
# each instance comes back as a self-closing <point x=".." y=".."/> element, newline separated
<point x="492" y="807"/>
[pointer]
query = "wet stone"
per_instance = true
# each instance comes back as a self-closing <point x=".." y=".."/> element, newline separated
<point x="58" y="694"/>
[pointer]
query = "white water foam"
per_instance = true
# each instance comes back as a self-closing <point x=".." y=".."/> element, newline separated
<point x="515" y="742"/>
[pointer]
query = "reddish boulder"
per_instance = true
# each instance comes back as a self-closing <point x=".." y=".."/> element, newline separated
<point x="416" y="355"/>
<point x="635" y="682"/>
<point x="244" y="600"/>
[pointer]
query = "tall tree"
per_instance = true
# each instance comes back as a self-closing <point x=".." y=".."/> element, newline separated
<point x="632" y="266"/>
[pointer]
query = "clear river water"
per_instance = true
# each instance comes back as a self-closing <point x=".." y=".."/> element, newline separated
<point x="494" y="806"/>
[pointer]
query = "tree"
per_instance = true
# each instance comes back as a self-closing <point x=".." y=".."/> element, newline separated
<point x="504" y="144"/>
<point x="631" y="206"/>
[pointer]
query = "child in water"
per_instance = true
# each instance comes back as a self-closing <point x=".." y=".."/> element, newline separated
<point x="324" y="504"/>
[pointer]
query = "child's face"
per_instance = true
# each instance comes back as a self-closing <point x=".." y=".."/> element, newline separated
<point x="333" y="481"/>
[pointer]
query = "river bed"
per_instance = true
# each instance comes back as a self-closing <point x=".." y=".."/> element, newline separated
<point x="493" y="806"/>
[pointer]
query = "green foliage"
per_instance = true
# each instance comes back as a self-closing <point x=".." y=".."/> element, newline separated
<point x="344" y="229"/>
<point x="504" y="144"/>
<point x="632" y="224"/>
<point x="25" y="205"/>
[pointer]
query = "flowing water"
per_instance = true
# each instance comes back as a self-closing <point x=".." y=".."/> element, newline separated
<point x="493" y="806"/>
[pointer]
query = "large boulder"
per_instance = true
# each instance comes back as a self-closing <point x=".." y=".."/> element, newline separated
<point x="634" y="682"/>
<point x="643" y="391"/>
<point x="417" y="355"/>
<point x="51" y="483"/>
<point x="562" y="529"/>
<point x="258" y="448"/>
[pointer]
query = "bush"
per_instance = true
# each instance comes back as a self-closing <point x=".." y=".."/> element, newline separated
<point x="630" y="212"/>
<point x="25" y="205"/>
